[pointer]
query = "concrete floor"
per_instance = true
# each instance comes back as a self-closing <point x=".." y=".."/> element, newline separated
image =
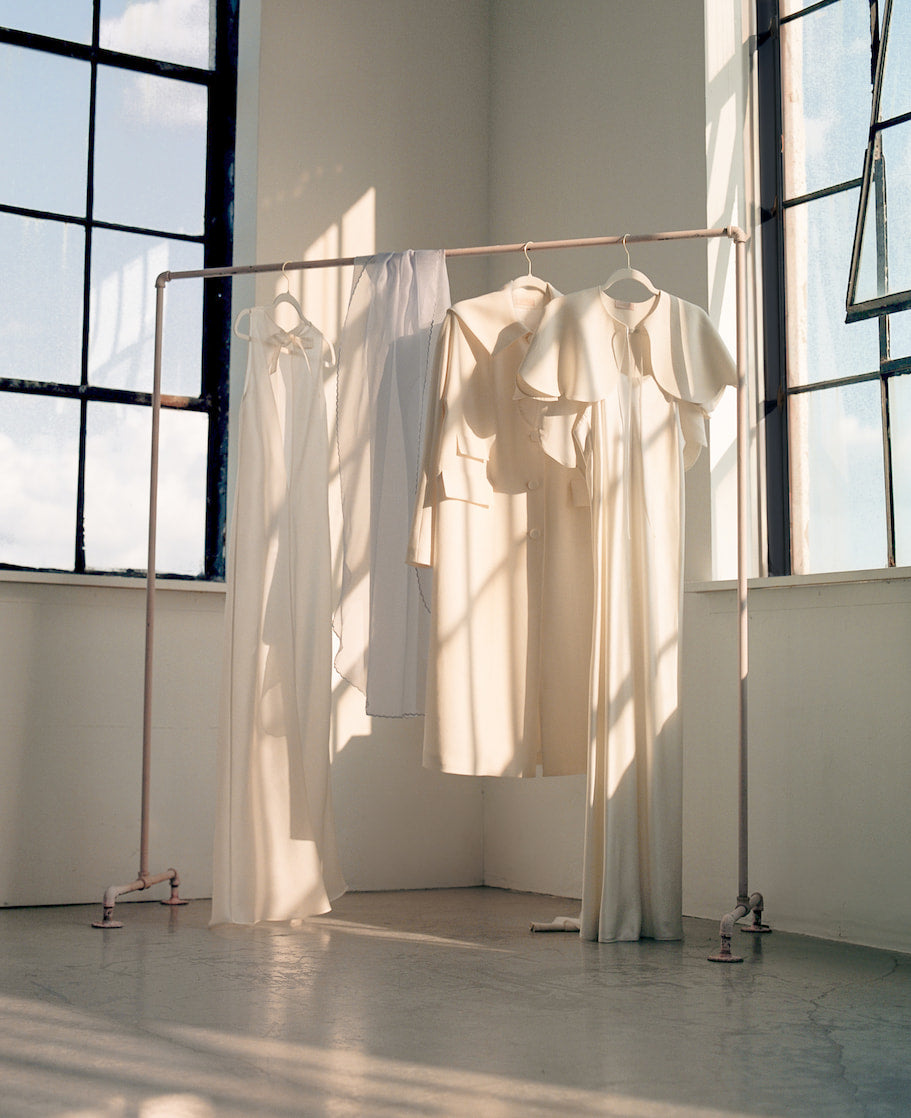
<point x="438" y="1003"/>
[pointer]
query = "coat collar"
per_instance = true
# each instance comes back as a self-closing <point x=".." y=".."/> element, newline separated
<point x="575" y="353"/>
<point x="494" y="319"/>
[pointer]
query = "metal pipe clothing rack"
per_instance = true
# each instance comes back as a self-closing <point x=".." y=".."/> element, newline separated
<point x="745" y="902"/>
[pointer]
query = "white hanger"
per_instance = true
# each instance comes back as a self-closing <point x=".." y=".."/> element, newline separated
<point x="282" y="297"/>
<point x="630" y="274"/>
<point x="529" y="280"/>
<point x="286" y="296"/>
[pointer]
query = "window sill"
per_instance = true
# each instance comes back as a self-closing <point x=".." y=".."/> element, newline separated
<point x="115" y="582"/>
<point x="785" y="582"/>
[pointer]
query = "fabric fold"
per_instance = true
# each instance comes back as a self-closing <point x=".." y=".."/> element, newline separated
<point x="394" y="314"/>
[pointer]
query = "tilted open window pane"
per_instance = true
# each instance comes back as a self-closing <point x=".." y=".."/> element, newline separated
<point x="54" y="179"/>
<point x="39" y="451"/>
<point x="879" y="279"/>
<point x="895" y="97"/>
<point x="122" y="317"/>
<point x="117" y="489"/>
<point x="150" y="152"/>
<point x="825" y="97"/>
<point x="180" y="31"/>
<point x="885" y="257"/>
<point x="817" y="248"/>
<point x="60" y="19"/>
<point x="42" y="265"/>
<point x="837" y="488"/>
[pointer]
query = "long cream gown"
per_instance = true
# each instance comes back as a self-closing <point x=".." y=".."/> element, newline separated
<point x="275" y="849"/>
<point x="641" y="379"/>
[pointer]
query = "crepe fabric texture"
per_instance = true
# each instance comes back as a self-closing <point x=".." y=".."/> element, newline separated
<point x="506" y="529"/>
<point x="395" y="311"/>
<point x="275" y="849"/>
<point x="637" y="382"/>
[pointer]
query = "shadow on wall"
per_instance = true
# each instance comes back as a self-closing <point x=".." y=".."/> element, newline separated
<point x="399" y="825"/>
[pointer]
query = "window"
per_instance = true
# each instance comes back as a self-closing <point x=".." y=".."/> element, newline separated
<point x="117" y="124"/>
<point x="838" y="406"/>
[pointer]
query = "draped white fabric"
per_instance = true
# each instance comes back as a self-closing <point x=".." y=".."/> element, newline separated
<point x="397" y="304"/>
<point x="275" y="851"/>
<point x="643" y="378"/>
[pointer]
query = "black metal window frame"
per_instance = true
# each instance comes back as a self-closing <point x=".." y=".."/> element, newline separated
<point x="217" y="244"/>
<point x="773" y="207"/>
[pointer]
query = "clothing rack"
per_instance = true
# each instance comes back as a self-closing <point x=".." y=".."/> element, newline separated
<point x="745" y="902"/>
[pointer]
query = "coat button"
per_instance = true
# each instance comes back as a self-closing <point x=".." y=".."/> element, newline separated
<point x="532" y="484"/>
<point x="534" y="534"/>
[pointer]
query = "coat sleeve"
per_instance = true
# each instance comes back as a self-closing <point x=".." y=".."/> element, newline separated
<point x="709" y="370"/>
<point x="455" y="456"/>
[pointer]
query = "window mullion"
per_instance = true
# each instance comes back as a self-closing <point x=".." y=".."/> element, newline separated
<point x="887" y="459"/>
<point x="775" y="407"/>
<point x="79" y="556"/>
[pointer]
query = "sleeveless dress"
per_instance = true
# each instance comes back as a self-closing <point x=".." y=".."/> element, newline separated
<point x="275" y="852"/>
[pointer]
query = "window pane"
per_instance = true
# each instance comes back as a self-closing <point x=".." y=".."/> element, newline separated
<point x="42" y="264"/>
<point x="900" y="334"/>
<point x="44" y="138"/>
<point x="896" y="92"/>
<point x="39" y="452"/>
<point x="150" y="152"/>
<point x="117" y="489"/>
<point x="818" y="240"/>
<point x="169" y="30"/>
<point x="122" y="314"/>
<point x="900" y="412"/>
<point x="183" y="450"/>
<point x="825" y="96"/>
<point x="837" y="489"/>
<point x="892" y="274"/>
<point x="61" y="19"/>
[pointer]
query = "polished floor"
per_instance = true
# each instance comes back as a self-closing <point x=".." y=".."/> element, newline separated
<point x="438" y="1003"/>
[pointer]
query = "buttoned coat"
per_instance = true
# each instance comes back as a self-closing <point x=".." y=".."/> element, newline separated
<point x="507" y="531"/>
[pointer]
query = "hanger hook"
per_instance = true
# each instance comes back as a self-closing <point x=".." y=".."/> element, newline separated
<point x="525" y="249"/>
<point x="629" y="262"/>
<point x="287" y="278"/>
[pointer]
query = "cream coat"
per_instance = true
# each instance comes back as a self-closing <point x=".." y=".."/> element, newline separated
<point x="637" y="382"/>
<point x="506" y="529"/>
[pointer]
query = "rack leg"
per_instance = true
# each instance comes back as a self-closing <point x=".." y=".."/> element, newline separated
<point x="744" y="905"/>
<point x="144" y="881"/>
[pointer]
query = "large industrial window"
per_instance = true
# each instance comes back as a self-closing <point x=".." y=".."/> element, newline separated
<point x="117" y="128"/>
<point x="838" y="402"/>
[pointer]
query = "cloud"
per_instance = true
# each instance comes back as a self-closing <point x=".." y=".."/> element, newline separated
<point x="157" y="101"/>
<point x="170" y="30"/>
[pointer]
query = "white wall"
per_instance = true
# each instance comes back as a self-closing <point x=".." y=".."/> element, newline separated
<point x="418" y="123"/>
<point x="829" y="757"/>
<point x="71" y="734"/>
